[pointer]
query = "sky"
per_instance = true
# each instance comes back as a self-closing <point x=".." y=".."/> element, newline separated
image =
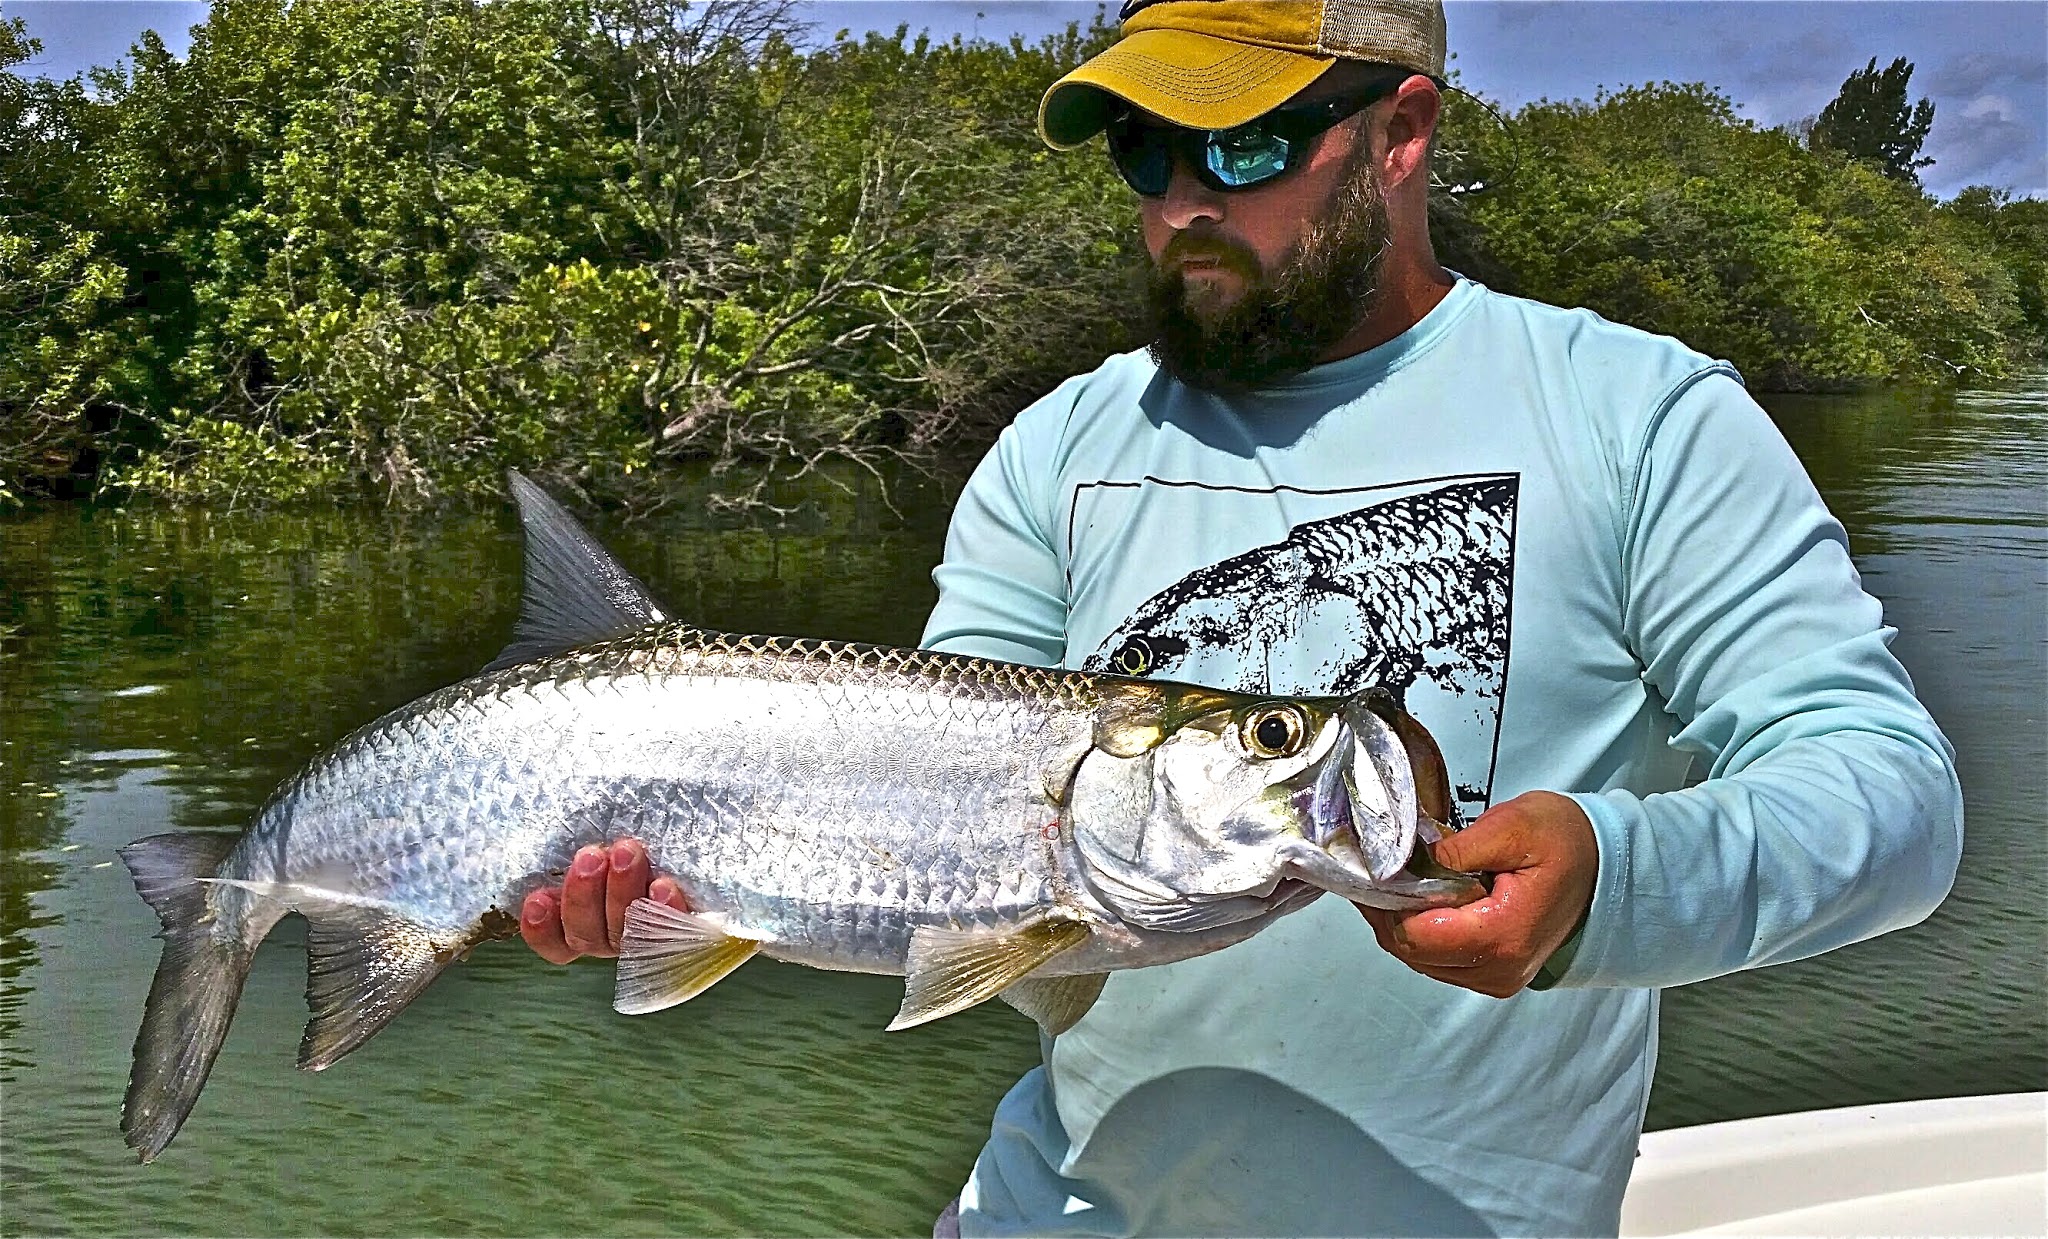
<point x="1983" y="62"/>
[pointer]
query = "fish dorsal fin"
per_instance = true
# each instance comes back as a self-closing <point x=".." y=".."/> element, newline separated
<point x="950" y="970"/>
<point x="667" y="957"/>
<point x="363" y="964"/>
<point x="575" y="592"/>
<point x="1057" y="1003"/>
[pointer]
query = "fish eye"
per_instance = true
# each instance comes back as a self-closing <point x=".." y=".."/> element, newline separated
<point x="1276" y="731"/>
<point x="1133" y="657"/>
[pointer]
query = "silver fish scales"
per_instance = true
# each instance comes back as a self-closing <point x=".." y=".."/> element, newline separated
<point x="841" y="762"/>
<point x="982" y="828"/>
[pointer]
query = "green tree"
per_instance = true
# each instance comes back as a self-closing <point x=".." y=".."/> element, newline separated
<point x="1469" y="160"/>
<point x="392" y="246"/>
<point x="2014" y="232"/>
<point x="58" y="363"/>
<point x="1870" y="120"/>
<point x="395" y="246"/>
<point x="1659" y="206"/>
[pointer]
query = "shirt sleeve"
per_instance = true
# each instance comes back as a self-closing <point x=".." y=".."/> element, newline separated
<point x="1831" y="811"/>
<point x="1002" y="589"/>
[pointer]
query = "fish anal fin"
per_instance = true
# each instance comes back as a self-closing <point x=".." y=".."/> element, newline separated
<point x="951" y="970"/>
<point x="363" y="965"/>
<point x="1057" y="1003"/>
<point x="575" y="592"/>
<point x="667" y="957"/>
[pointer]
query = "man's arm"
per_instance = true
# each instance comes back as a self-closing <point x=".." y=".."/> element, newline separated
<point x="1002" y="591"/>
<point x="1831" y="811"/>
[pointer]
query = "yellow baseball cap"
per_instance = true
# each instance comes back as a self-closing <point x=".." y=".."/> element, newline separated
<point x="1215" y="64"/>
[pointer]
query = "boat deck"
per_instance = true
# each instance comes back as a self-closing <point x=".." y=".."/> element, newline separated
<point x="1947" y="1166"/>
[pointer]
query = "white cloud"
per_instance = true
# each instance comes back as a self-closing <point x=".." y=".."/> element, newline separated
<point x="1974" y="73"/>
<point x="1986" y="140"/>
<point x="1781" y="60"/>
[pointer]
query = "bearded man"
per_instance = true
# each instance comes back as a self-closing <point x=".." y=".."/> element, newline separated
<point x="1579" y="554"/>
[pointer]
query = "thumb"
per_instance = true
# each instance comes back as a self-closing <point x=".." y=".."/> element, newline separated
<point x="1498" y="842"/>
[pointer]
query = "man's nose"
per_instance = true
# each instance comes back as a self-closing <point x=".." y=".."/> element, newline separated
<point x="1188" y="199"/>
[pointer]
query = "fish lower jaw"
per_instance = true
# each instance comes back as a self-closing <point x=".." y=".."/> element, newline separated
<point x="1403" y="891"/>
<point x="1408" y="893"/>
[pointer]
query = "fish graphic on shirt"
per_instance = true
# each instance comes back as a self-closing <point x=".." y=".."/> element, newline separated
<point x="1409" y="589"/>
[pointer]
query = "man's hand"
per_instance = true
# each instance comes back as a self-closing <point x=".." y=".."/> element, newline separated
<point x="586" y="914"/>
<point x="1540" y="849"/>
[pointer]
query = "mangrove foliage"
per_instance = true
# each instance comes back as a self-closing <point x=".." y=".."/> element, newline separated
<point x="390" y="247"/>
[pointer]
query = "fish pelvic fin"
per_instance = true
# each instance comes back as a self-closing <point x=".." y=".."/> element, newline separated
<point x="575" y="592"/>
<point x="950" y="970"/>
<point x="667" y="957"/>
<point x="1057" y="1003"/>
<point x="198" y="981"/>
<point x="363" y="965"/>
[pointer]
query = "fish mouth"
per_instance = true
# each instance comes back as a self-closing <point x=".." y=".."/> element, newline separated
<point x="1367" y="836"/>
<point x="1338" y="867"/>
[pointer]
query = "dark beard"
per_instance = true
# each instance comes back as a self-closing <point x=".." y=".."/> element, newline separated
<point x="1275" y="330"/>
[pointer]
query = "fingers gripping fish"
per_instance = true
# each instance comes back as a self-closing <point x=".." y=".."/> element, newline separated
<point x="983" y="829"/>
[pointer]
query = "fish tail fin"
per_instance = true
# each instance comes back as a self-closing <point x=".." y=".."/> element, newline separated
<point x="198" y="982"/>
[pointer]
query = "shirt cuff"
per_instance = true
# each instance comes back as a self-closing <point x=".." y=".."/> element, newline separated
<point x="1610" y="834"/>
<point x="1560" y="961"/>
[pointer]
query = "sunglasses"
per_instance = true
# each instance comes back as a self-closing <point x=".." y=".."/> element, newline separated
<point x="1230" y="159"/>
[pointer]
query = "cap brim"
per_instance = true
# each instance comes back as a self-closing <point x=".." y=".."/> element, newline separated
<point x="1189" y="79"/>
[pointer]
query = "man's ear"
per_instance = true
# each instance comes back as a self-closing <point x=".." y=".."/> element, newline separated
<point x="1411" y="127"/>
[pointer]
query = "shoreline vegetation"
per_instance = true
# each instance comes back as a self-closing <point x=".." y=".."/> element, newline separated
<point x="386" y="249"/>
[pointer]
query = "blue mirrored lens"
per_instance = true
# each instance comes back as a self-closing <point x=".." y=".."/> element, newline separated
<point x="1246" y="156"/>
<point x="1234" y="159"/>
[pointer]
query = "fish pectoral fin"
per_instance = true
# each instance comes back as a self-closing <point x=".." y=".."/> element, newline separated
<point x="951" y="970"/>
<point x="1057" y="1003"/>
<point x="363" y="965"/>
<point x="667" y="957"/>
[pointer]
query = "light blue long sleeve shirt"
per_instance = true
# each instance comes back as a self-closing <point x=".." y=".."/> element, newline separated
<point x="1586" y="560"/>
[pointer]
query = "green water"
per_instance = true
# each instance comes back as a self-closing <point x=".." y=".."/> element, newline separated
<point x="165" y="669"/>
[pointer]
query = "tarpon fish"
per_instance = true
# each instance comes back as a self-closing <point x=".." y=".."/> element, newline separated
<point x="981" y="828"/>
